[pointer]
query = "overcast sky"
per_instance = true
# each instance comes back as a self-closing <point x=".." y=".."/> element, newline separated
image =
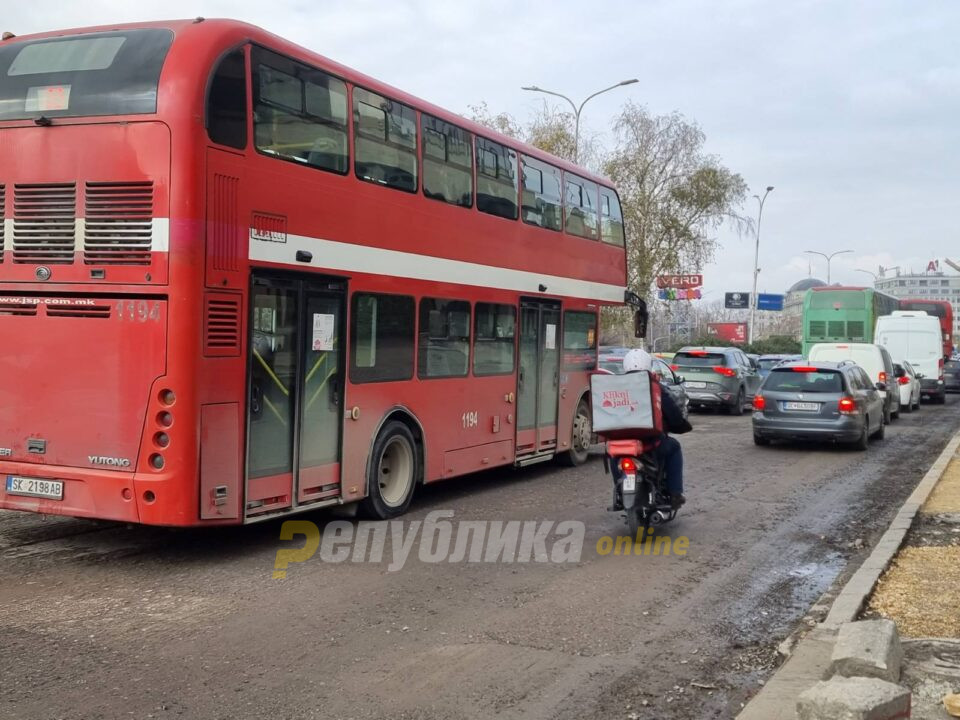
<point x="850" y="109"/>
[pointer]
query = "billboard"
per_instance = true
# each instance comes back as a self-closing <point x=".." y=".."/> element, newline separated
<point x="685" y="282"/>
<point x="730" y="331"/>
<point x="767" y="301"/>
<point x="736" y="300"/>
<point x="671" y="294"/>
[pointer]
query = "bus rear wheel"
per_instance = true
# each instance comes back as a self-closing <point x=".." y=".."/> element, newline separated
<point x="580" y="437"/>
<point x="393" y="473"/>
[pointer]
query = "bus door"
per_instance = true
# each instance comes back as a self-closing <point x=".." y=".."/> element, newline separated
<point x="295" y="407"/>
<point x="539" y="377"/>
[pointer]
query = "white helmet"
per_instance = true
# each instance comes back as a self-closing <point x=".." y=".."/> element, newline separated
<point x="637" y="360"/>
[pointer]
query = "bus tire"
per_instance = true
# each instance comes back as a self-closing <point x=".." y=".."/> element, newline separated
<point x="580" y="435"/>
<point x="393" y="473"/>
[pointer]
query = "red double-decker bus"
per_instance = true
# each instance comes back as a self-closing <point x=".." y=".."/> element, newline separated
<point x="239" y="280"/>
<point x="940" y="309"/>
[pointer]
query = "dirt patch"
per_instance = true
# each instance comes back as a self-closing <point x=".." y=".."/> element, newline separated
<point x="921" y="592"/>
<point x="945" y="497"/>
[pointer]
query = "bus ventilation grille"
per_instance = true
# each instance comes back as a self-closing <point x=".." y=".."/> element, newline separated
<point x="3" y="215"/>
<point x="119" y="223"/>
<point x="221" y="325"/>
<point x="44" y="223"/>
<point x="12" y="307"/>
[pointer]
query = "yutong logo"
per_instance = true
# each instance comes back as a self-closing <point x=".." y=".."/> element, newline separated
<point x="110" y="461"/>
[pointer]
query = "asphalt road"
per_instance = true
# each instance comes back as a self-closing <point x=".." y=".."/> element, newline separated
<point x="104" y="621"/>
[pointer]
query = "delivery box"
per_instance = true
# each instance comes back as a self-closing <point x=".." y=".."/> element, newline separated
<point x="626" y="406"/>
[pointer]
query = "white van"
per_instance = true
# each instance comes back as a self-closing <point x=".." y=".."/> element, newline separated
<point x="915" y="337"/>
<point x="874" y="359"/>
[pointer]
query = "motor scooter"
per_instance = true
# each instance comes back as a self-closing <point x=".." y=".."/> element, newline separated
<point x="638" y="484"/>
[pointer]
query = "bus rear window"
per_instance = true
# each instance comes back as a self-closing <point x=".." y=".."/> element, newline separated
<point x="113" y="73"/>
<point x="832" y="300"/>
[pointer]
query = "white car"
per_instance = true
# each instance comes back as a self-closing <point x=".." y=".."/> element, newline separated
<point x="909" y="384"/>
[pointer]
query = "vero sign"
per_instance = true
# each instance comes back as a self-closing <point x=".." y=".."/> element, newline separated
<point x="680" y="282"/>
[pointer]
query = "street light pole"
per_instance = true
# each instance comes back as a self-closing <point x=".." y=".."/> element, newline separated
<point x="756" y="262"/>
<point x="828" y="258"/>
<point x="578" y="110"/>
<point x="873" y="274"/>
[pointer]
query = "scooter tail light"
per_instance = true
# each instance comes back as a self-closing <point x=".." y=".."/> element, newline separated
<point x="628" y="465"/>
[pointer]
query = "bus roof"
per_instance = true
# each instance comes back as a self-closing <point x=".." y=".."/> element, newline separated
<point x="226" y="31"/>
<point x="829" y="288"/>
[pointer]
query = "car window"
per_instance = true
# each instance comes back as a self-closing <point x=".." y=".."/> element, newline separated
<point x="805" y="381"/>
<point x="865" y="379"/>
<point x="853" y="381"/>
<point x="768" y="363"/>
<point x="699" y="358"/>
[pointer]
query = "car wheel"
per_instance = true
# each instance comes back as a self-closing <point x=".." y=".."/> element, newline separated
<point x="394" y="471"/>
<point x="741" y="400"/>
<point x="881" y="431"/>
<point x="759" y="440"/>
<point x="908" y="408"/>
<point x="942" y="398"/>
<point x="864" y="440"/>
<point x="895" y="414"/>
<point x="887" y="415"/>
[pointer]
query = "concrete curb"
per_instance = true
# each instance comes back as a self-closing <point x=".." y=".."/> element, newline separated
<point x="849" y="602"/>
<point x="810" y="658"/>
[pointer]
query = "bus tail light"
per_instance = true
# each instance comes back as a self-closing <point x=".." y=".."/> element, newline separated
<point x="847" y="406"/>
<point x="725" y="371"/>
<point x="759" y="402"/>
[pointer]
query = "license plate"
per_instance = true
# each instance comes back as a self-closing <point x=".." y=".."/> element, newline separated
<point x="34" y="487"/>
<point x="629" y="483"/>
<point x="695" y="384"/>
<point x="801" y="406"/>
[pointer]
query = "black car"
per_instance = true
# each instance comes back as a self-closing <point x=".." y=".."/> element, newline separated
<point x="951" y="375"/>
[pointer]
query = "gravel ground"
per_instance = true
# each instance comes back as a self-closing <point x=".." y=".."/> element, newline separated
<point x="103" y="621"/>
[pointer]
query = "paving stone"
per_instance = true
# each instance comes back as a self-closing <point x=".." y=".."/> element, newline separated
<point x="854" y="699"/>
<point x="868" y="648"/>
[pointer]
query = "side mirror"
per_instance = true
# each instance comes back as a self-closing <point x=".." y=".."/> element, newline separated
<point x="640" y="319"/>
<point x="881" y="386"/>
<point x="681" y="379"/>
<point x="920" y="376"/>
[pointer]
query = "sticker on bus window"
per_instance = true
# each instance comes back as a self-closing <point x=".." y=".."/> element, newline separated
<point x="43" y="98"/>
<point x="324" y="327"/>
<point x="551" y="339"/>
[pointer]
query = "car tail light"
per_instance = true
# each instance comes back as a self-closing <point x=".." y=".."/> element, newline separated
<point x="847" y="406"/>
<point x="697" y="353"/>
<point x="674" y="367"/>
<point x="803" y="368"/>
<point x="628" y="465"/>
<point x="904" y="380"/>
<point x="940" y="367"/>
<point x="759" y="402"/>
<point x="882" y="377"/>
<point x="725" y="371"/>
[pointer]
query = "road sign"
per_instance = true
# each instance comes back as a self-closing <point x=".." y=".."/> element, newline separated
<point x="768" y="301"/>
<point x="731" y="332"/>
<point x="736" y="301"/>
<point x="679" y="281"/>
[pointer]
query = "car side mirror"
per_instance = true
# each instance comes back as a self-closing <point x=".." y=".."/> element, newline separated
<point x="881" y="386"/>
<point x="681" y="379"/>
<point x="920" y="376"/>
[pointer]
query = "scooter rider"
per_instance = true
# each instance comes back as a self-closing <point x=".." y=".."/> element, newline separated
<point x="668" y="452"/>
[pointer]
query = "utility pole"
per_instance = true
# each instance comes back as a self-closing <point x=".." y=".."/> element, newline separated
<point x="756" y="262"/>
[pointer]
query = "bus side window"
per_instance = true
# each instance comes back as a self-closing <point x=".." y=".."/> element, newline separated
<point x="444" y="346"/>
<point x="494" y="339"/>
<point x="385" y="139"/>
<point x="300" y="113"/>
<point x="542" y="199"/>
<point x="447" y="162"/>
<point x="580" y="205"/>
<point x="227" y="102"/>
<point x="497" y="187"/>
<point x="611" y="218"/>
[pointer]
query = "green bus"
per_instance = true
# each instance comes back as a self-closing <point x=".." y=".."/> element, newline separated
<point x="835" y="314"/>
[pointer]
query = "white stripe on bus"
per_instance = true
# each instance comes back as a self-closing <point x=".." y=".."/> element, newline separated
<point x="346" y="257"/>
